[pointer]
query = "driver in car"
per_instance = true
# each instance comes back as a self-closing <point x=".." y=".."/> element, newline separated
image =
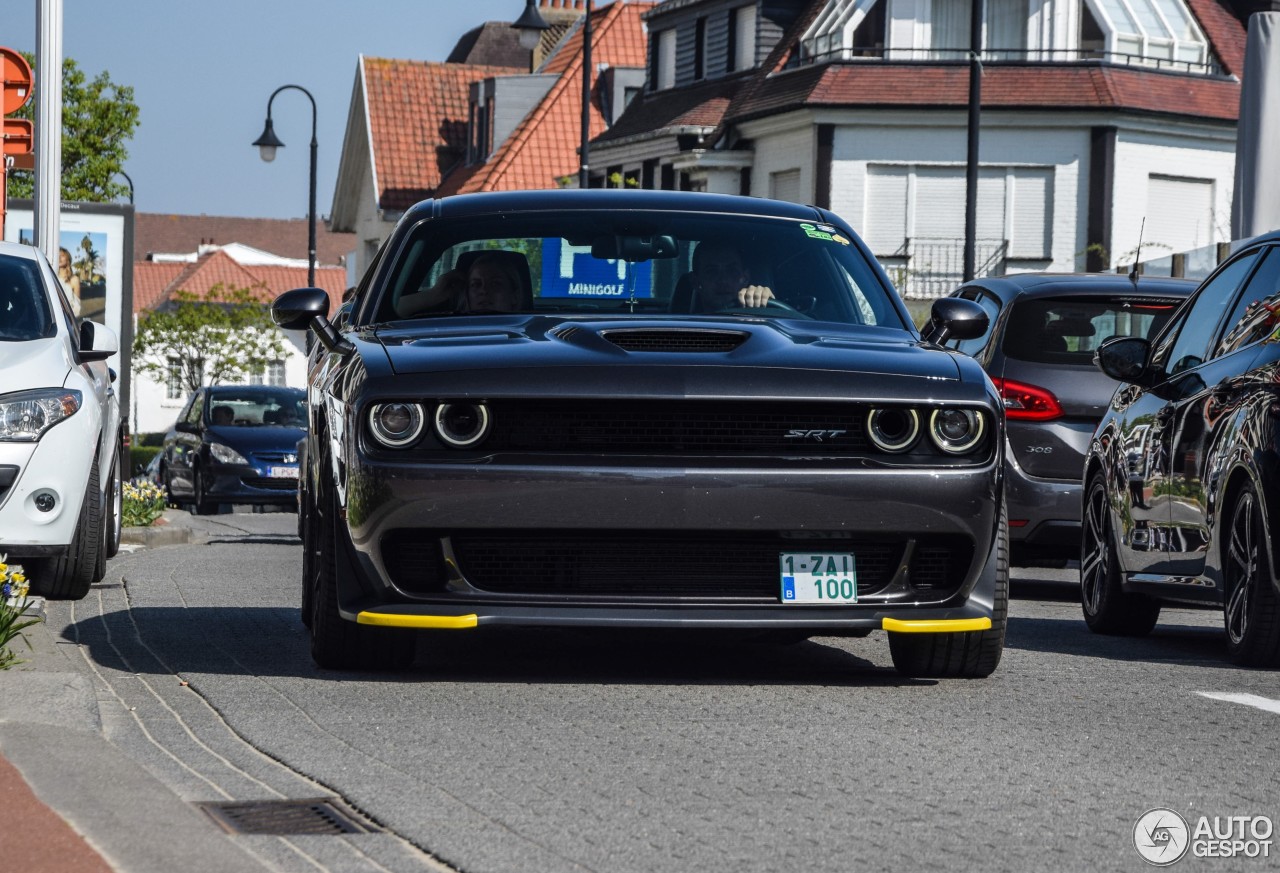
<point x="721" y="280"/>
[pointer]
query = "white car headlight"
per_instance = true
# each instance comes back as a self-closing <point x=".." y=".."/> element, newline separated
<point x="226" y="455"/>
<point x="26" y="415"/>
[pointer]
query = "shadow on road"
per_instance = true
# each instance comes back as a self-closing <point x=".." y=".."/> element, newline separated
<point x="1170" y="641"/>
<point x="270" y="641"/>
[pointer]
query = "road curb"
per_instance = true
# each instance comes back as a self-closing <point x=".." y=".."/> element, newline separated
<point x="150" y="537"/>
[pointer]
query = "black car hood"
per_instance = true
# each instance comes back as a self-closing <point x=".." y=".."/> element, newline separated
<point x="539" y="341"/>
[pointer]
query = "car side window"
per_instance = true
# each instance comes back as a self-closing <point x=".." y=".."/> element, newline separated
<point x="1257" y="313"/>
<point x="192" y="415"/>
<point x="1200" y="323"/>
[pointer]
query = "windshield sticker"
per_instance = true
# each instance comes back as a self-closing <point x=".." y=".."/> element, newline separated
<point x="825" y="232"/>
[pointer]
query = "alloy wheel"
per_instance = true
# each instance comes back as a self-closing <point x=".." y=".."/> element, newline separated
<point x="1241" y="568"/>
<point x="1096" y="552"/>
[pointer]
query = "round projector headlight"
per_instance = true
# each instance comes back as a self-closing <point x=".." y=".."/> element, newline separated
<point x="893" y="430"/>
<point x="462" y="424"/>
<point x="396" y="425"/>
<point x="956" y="431"/>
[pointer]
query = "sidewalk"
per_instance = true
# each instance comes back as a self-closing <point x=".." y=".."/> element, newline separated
<point x="72" y="802"/>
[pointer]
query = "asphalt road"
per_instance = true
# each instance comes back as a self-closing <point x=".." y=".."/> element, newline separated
<point x="549" y="751"/>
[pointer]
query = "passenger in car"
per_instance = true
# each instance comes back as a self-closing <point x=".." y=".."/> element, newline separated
<point x="223" y="415"/>
<point x="721" y="280"/>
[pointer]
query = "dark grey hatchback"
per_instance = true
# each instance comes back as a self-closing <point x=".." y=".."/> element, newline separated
<point x="645" y="410"/>
<point x="1043" y="331"/>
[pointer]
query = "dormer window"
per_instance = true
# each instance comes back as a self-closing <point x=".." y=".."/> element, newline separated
<point x="742" y="38"/>
<point x="1155" y="29"/>
<point x="1150" y="32"/>
<point x="664" y="59"/>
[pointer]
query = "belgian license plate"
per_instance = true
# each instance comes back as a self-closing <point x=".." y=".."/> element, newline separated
<point x="282" y="472"/>
<point x="824" y="577"/>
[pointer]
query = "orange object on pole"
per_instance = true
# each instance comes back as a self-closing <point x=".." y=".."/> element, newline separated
<point x="17" y="139"/>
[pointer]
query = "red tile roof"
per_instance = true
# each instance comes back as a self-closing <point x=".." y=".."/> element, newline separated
<point x="1023" y="86"/>
<point x="160" y="232"/>
<point x="1226" y="33"/>
<point x="154" y="283"/>
<point x="544" y="146"/>
<point x="418" y="123"/>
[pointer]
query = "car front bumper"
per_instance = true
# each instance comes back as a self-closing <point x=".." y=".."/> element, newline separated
<point x="58" y="466"/>
<point x="713" y="508"/>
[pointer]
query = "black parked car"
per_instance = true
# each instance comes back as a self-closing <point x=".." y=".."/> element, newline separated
<point x="235" y="444"/>
<point x="1181" y="503"/>
<point x="1038" y="349"/>
<point x="647" y="410"/>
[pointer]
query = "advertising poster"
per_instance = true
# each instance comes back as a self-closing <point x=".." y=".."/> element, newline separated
<point x="94" y="263"/>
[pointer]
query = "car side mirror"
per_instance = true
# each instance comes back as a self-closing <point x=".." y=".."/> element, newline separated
<point x="304" y="308"/>
<point x="185" y="427"/>
<point x="97" y="342"/>
<point x="955" y="318"/>
<point x="1124" y="359"/>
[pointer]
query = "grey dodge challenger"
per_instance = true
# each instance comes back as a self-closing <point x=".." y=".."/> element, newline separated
<point x="643" y="409"/>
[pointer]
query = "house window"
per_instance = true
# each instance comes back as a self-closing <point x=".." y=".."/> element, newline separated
<point x="173" y="380"/>
<point x="700" y="48"/>
<point x="742" y="38"/>
<point x="915" y="222"/>
<point x="664" y="61"/>
<point x="272" y="374"/>
<point x="785" y="185"/>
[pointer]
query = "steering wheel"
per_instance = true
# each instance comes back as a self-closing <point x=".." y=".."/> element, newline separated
<point x="772" y="302"/>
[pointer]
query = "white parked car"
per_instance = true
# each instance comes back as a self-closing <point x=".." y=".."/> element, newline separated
<point x="60" y="432"/>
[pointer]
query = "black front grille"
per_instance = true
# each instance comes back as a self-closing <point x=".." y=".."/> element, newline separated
<point x="675" y="340"/>
<point x="666" y="428"/>
<point x="658" y="564"/>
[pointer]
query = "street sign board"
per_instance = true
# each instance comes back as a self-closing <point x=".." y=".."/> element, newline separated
<point x="17" y="80"/>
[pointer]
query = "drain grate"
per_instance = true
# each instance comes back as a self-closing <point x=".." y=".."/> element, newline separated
<point x="321" y="815"/>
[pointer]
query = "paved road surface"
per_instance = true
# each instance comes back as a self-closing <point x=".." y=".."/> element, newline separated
<point x="549" y="751"/>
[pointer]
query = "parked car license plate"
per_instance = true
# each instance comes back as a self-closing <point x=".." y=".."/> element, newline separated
<point x="826" y="577"/>
<point x="282" y="472"/>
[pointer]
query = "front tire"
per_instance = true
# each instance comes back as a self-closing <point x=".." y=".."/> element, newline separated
<point x="1250" y="610"/>
<point x="70" y="576"/>
<point x="968" y="654"/>
<point x="336" y="643"/>
<point x="202" y="505"/>
<point x="115" y="508"/>
<point x="1107" y="608"/>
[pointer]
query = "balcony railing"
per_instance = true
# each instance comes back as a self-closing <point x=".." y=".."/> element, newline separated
<point x="809" y="55"/>
<point x="924" y="269"/>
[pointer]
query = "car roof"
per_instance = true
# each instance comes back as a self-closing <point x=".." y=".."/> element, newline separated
<point x="18" y="250"/>
<point x="1083" y="284"/>
<point x="464" y="205"/>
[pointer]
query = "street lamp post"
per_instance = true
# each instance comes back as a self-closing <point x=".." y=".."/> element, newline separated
<point x="267" y="144"/>
<point x="531" y="26"/>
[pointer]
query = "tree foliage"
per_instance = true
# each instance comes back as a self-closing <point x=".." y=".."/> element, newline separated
<point x="98" y="120"/>
<point x="223" y="336"/>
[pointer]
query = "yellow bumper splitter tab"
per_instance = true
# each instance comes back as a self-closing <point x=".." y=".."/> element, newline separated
<point x="439" y="622"/>
<point x="935" y="625"/>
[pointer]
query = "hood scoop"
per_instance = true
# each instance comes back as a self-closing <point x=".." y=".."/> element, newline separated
<point x="675" y="339"/>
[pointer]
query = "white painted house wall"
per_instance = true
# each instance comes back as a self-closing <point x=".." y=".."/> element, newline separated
<point x="1197" y="160"/>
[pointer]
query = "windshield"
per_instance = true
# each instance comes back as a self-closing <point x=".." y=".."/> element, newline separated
<point x="24" y="310"/>
<point x="639" y="264"/>
<point x="255" y="407"/>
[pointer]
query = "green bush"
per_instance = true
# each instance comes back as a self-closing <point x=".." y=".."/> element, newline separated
<point x="149" y="439"/>
<point x="139" y="457"/>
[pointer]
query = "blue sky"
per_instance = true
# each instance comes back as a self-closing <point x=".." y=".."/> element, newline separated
<point x="202" y="74"/>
